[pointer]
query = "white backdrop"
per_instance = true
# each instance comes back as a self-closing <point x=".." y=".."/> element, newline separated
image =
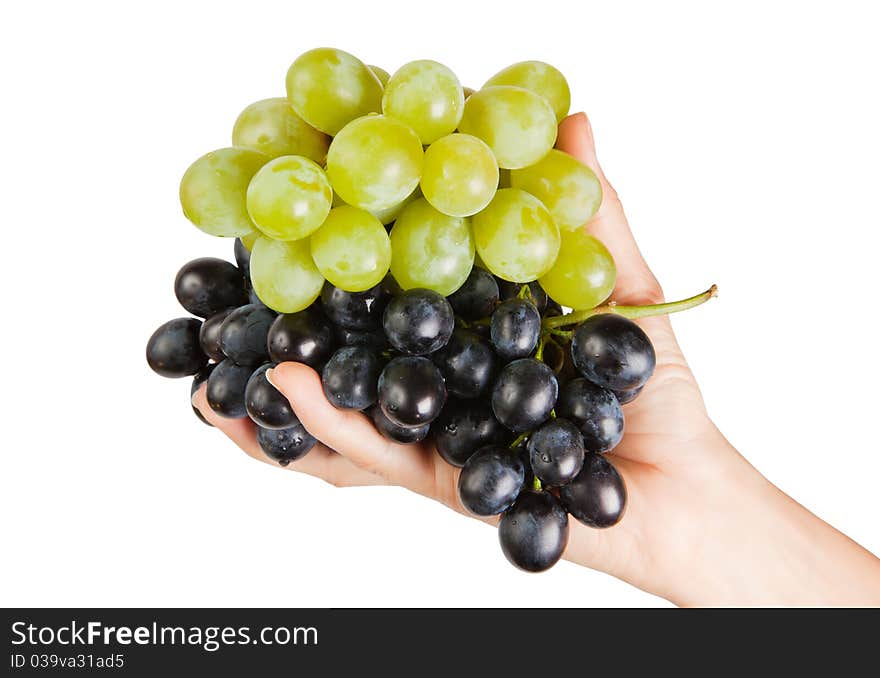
<point x="743" y="142"/>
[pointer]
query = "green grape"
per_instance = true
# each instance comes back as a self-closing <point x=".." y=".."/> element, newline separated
<point x="516" y="236"/>
<point x="380" y="73"/>
<point x="249" y="240"/>
<point x="567" y="187"/>
<point x="518" y="125"/>
<point x="426" y="96"/>
<point x="271" y="127"/>
<point x="460" y="175"/>
<point x="584" y="273"/>
<point x="375" y="162"/>
<point x="390" y="214"/>
<point x="351" y="249"/>
<point x="213" y="190"/>
<point x="540" y="78"/>
<point x="289" y="198"/>
<point x="430" y="249"/>
<point x="283" y="274"/>
<point x="328" y="88"/>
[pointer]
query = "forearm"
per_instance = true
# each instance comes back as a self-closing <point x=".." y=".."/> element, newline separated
<point x="757" y="546"/>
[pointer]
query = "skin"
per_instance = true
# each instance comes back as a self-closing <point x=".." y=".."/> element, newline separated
<point x="702" y="527"/>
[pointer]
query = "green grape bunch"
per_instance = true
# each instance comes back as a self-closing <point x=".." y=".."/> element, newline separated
<point x="358" y="174"/>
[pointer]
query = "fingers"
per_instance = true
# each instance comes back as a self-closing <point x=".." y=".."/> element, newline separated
<point x="351" y="433"/>
<point x="635" y="282"/>
<point x="320" y="462"/>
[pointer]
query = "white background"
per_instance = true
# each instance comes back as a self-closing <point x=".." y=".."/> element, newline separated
<point x="743" y="141"/>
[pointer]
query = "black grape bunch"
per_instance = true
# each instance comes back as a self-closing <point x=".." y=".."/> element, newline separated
<point x="420" y="245"/>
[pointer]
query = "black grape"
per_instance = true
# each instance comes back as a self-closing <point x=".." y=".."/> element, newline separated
<point x="515" y="328"/>
<point x="303" y="337"/>
<point x="173" y="350"/>
<point x="209" y="335"/>
<point x="418" y="322"/>
<point x="597" y="496"/>
<point x="372" y="339"/>
<point x="468" y="364"/>
<point x="556" y="452"/>
<point x="226" y="387"/>
<point x="349" y="378"/>
<point x="265" y="404"/>
<point x="287" y="444"/>
<point x="534" y="532"/>
<point x="510" y="290"/>
<point x="208" y="285"/>
<point x="477" y="297"/>
<point x="465" y="426"/>
<point x="197" y="381"/>
<point x="624" y="397"/>
<point x="396" y="432"/>
<point x="355" y="310"/>
<point x="613" y="352"/>
<point x="242" y="258"/>
<point x="411" y="391"/>
<point x="244" y="332"/>
<point x="553" y="309"/>
<point x="524" y="394"/>
<point x="491" y="480"/>
<point x="595" y="411"/>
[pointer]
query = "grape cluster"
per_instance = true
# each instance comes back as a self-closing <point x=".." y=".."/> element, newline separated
<point x="525" y="411"/>
<point x="417" y="243"/>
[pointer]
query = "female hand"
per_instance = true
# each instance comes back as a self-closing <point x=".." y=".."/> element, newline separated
<point x="702" y="526"/>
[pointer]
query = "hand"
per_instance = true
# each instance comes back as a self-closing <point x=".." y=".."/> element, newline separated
<point x="701" y="527"/>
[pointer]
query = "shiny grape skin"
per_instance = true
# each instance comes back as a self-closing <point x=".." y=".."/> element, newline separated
<point x="200" y="378"/>
<point x="265" y="404"/>
<point x="208" y="285"/>
<point x="355" y="310"/>
<point x="524" y="394"/>
<point x="595" y="411"/>
<point x="534" y="532"/>
<point x="556" y="452"/>
<point x="287" y="444"/>
<point x="209" y="335"/>
<point x="226" y="387"/>
<point x="374" y="339"/>
<point x="624" y="397"/>
<point x="411" y="391"/>
<point x="597" y="496"/>
<point x="418" y="322"/>
<point x="303" y="337"/>
<point x="464" y="427"/>
<point x="349" y="378"/>
<point x="491" y="480"/>
<point x="613" y="352"/>
<point x="173" y="350"/>
<point x="400" y="434"/>
<point x="242" y="258"/>
<point x="510" y="290"/>
<point x="515" y="328"/>
<point x="244" y="332"/>
<point x="477" y="297"/>
<point x="468" y="364"/>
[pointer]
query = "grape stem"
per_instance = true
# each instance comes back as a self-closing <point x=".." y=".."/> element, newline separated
<point x="519" y="440"/>
<point x="577" y="317"/>
<point x="536" y="484"/>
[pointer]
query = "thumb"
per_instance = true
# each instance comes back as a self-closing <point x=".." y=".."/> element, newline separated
<point x="635" y="282"/>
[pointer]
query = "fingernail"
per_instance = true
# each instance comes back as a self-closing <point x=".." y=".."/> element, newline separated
<point x="269" y="378"/>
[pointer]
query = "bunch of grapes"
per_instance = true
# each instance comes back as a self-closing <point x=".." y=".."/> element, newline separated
<point x="418" y="244"/>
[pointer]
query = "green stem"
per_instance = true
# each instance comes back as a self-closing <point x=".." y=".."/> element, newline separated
<point x="536" y="484"/>
<point x="577" y="317"/>
<point x="519" y="439"/>
<point x="565" y="334"/>
<point x="525" y="293"/>
<point x="539" y="352"/>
